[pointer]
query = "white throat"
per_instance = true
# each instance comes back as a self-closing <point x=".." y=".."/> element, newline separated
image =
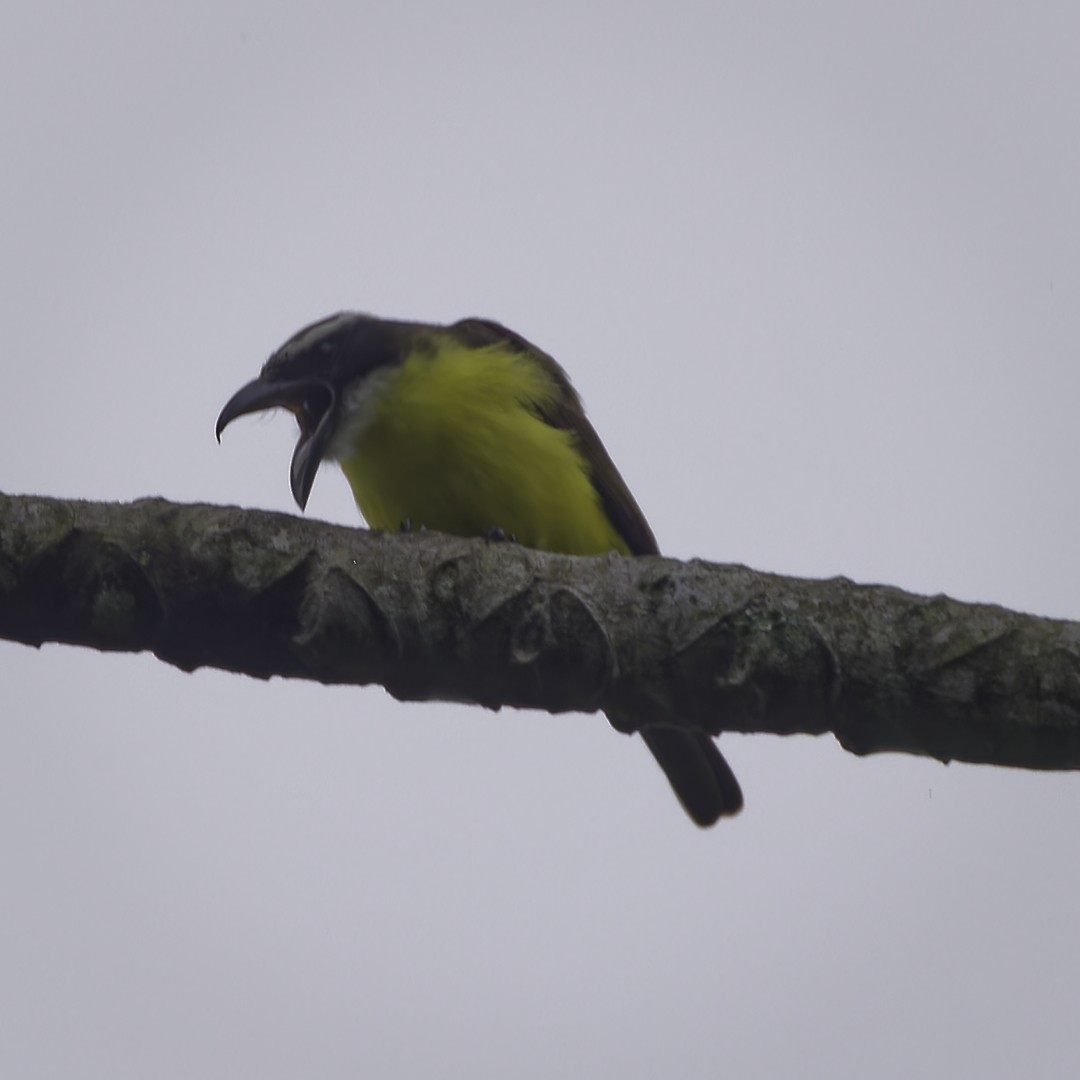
<point x="359" y="406"/>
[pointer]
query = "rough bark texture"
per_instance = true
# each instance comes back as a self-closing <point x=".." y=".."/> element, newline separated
<point x="435" y="617"/>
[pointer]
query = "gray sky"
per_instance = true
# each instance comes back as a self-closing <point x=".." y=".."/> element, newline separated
<point x="815" y="270"/>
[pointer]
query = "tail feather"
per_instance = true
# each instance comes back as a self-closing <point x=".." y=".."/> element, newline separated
<point x="697" y="772"/>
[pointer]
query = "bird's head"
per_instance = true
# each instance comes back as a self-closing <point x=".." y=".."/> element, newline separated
<point x="313" y="375"/>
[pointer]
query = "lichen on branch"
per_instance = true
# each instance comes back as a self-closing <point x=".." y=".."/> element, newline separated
<point x="434" y="617"/>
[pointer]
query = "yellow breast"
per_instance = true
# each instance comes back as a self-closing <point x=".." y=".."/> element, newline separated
<point x="448" y="440"/>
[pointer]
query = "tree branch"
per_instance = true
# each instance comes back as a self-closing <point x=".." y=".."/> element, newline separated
<point x="435" y="617"/>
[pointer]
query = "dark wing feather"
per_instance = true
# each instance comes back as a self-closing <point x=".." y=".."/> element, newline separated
<point x="565" y="411"/>
<point x="694" y="766"/>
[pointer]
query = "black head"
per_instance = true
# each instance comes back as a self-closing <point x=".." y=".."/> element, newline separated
<point x="309" y="375"/>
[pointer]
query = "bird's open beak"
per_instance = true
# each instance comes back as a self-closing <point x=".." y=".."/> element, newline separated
<point x="313" y="403"/>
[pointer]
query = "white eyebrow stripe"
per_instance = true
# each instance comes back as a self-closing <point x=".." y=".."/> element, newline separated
<point x="314" y="333"/>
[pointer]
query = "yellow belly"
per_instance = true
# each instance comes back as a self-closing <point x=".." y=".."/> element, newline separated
<point x="448" y="443"/>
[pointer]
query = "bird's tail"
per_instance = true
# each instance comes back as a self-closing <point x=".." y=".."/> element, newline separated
<point x="696" y="770"/>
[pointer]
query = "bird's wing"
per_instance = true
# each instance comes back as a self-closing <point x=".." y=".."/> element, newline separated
<point x="565" y="411"/>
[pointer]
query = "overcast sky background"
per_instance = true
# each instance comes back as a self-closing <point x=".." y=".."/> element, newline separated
<point x="815" y="269"/>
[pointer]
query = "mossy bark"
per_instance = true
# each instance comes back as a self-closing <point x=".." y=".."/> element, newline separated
<point x="433" y="617"/>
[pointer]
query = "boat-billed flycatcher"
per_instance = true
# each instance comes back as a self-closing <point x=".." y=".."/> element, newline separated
<point x="467" y="429"/>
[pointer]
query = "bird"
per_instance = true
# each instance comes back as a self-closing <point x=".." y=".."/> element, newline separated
<point x="470" y="429"/>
